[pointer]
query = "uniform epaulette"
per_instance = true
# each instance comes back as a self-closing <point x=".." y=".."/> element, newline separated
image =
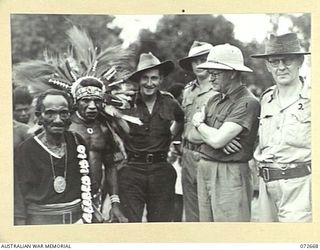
<point x="190" y="84"/>
<point x="267" y="91"/>
<point x="166" y="93"/>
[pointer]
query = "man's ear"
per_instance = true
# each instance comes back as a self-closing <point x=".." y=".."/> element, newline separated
<point x="234" y="74"/>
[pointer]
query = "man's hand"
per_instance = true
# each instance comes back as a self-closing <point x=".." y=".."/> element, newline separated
<point x="116" y="215"/>
<point x="232" y="147"/>
<point x="199" y="117"/>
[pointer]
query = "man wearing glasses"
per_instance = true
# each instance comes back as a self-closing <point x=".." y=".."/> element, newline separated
<point x="224" y="189"/>
<point x="284" y="151"/>
<point x="47" y="167"/>
<point x="147" y="179"/>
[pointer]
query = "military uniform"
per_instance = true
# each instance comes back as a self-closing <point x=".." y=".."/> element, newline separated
<point x="194" y="99"/>
<point x="284" y="158"/>
<point x="147" y="178"/>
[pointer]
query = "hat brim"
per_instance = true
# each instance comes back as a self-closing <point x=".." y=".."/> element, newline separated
<point x="212" y="65"/>
<point x="185" y="62"/>
<point x="166" y="68"/>
<point x="279" y="54"/>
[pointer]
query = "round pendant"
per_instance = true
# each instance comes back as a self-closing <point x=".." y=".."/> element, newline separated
<point x="59" y="184"/>
<point x="90" y="131"/>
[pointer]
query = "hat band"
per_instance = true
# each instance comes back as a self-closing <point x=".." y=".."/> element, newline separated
<point x="88" y="91"/>
<point x="211" y="61"/>
<point x="200" y="50"/>
<point x="283" y="48"/>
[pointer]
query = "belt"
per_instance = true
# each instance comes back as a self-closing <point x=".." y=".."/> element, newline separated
<point x="190" y="145"/>
<point x="66" y="213"/>
<point x="147" y="157"/>
<point x="269" y="173"/>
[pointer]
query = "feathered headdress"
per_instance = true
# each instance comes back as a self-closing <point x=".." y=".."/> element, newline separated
<point x="111" y="66"/>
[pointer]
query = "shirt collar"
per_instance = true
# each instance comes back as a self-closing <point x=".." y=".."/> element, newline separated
<point x="304" y="92"/>
<point x="237" y="93"/>
<point x="205" y="89"/>
<point x="139" y="99"/>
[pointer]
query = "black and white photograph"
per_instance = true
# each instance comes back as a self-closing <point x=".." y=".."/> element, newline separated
<point x="161" y="118"/>
<point x="159" y="122"/>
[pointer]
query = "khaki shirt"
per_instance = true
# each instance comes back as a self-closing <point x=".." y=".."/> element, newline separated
<point x="240" y="107"/>
<point x="193" y="101"/>
<point x="285" y="132"/>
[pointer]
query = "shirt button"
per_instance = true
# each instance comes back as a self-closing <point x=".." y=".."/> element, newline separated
<point x="146" y="128"/>
<point x="278" y="127"/>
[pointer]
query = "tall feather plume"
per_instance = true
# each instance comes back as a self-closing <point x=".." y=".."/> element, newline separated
<point x="83" y="49"/>
<point x="119" y="58"/>
<point x="95" y="62"/>
<point x="61" y="65"/>
<point x="34" y="74"/>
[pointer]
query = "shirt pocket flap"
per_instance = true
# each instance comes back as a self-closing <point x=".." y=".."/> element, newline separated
<point x="303" y="117"/>
<point x="221" y="117"/>
<point x="167" y="114"/>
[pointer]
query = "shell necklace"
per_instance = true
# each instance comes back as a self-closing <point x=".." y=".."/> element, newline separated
<point x="60" y="182"/>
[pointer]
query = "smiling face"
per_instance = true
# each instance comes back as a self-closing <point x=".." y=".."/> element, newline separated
<point x="55" y="114"/>
<point x="149" y="82"/>
<point x="284" y="69"/>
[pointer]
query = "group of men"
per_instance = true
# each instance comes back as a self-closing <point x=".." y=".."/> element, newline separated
<point x="218" y="123"/>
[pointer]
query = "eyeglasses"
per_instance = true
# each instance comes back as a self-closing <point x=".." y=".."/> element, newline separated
<point x="214" y="75"/>
<point x="286" y="61"/>
<point x="50" y="114"/>
<point x="146" y="79"/>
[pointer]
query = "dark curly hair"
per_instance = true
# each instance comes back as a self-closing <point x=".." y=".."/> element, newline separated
<point x="21" y="95"/>
<point x="40" y="99"/>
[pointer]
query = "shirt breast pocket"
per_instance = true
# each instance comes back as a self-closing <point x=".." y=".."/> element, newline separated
<point x="298" y="129"/>
<point x="187" y="108"/>
<point x="220" y="118"/>
<point x="215" y="121"/>
<point x="161" y="126"/>
<point x="266" y="126"/>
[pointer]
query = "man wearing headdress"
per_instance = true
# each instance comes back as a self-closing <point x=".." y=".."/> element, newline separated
<point x="195" y="96"/>
<point x="51" y="168"/>
<point x="284" y="152"/>
<point x="85" y="71"/>
<point x="88" y="95"/>
<point x="147" y="179"/>
<point x="224" y="188"/>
